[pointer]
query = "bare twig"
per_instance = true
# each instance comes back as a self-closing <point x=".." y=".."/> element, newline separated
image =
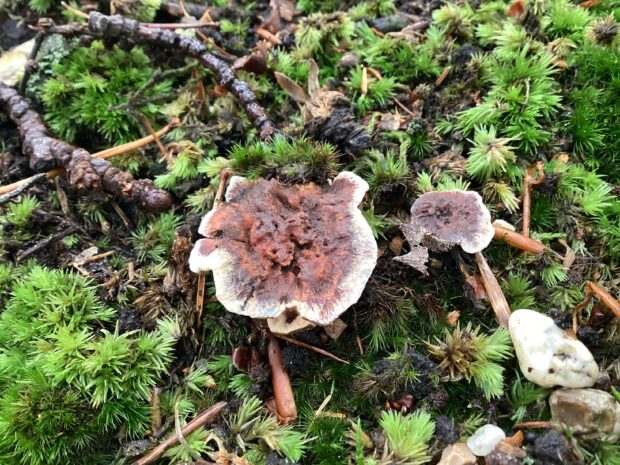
<point x="19" y="187"/>
<point x="591" y="289"/>
<point x="192" y="426"/>
<point x="311" y="347"/>
<point x="46" y="242"/>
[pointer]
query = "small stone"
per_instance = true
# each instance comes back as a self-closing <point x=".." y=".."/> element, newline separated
<point x="550" y="448"/>
<point x="485" y="439"/>
<point x="505" y="453"/>
<point x="548" y="355"/>
<point x="457" y="454"/>
<point x="589" y="413"/>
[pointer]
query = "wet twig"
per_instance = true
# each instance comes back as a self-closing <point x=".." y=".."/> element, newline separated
<point x="192" y="426"/>
<point x="312" y="348"/>
<point x="21" y="186"/>
<point x="528" y="181"/>
<point x="494" y="292"/>
<point x="85" y="172"/>
<point x="46" y="242"/>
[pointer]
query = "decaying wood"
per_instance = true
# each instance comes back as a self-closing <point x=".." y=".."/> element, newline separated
<point x="494" y="292"/>
<point x="120" y="28"/>
<point x="84" y="171"/>
<point x="282" y="389"/>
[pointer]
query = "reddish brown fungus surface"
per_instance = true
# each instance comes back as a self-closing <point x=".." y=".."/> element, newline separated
<point x="301" y="250"/>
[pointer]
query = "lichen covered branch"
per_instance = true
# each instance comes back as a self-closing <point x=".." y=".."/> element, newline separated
<point x="84" y="171"/>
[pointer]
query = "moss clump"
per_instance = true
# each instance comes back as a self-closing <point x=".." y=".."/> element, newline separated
<point x="291" y="160"/>
<point x="83" y="96"/>
<point x="66" y="385"/>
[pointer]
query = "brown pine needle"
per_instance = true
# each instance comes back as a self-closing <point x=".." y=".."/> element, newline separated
<point x="310" y="347"/>
<point x="494" y="292"/>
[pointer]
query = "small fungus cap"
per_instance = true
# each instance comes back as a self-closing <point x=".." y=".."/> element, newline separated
<point x="302" y="250"/>
<point x="441" y="220"/>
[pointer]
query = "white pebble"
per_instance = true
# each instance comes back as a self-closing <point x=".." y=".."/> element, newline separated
<point x="548" y="355"/>
<point x="485" y="439"/>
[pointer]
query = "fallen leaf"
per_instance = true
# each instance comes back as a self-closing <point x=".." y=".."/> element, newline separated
<point x="292" y="89"/>
<point x="280" y="12"/>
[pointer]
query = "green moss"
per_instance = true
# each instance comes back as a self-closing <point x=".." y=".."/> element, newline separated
<point x="66" y="386"/>
<point x="86" y="89"/>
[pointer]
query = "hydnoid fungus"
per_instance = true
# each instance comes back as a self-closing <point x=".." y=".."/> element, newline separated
<point x="297" y="254"/>
<point x="442" y="220"/>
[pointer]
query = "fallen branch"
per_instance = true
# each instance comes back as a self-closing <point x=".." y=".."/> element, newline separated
<point x="17" y="187"/>
<point x="85" y="172"/>
<point x="118" y="27"/>
<point x="192" y="426"/>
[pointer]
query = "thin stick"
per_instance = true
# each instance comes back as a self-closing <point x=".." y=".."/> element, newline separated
<point x="528" y="181"/>
<point x="494" y="292"/>
<point x="537" y="424"/>
<point x="310" y="347"/>
<point x="591" y="289"/>
<point x="202" y="275"/>
<point x="407" y="110"/>
<point x="152" y="133"/>
<point x="181" y="25"/>
<point x="282" y="389"/>
<point x="192" y="426"/>
<point x="19" y="187"/>
<point x="45" y="242"/>
<point x="105" y="154"/>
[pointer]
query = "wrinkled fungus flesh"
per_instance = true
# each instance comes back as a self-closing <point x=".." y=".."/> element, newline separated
<point x="288" y="251"/>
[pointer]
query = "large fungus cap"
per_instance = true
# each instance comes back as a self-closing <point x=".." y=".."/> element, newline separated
<point x="288" y="251"/>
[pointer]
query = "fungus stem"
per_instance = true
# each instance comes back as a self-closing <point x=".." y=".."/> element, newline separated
<point x="282" y="389"/>
<point x="494" y="292"/>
